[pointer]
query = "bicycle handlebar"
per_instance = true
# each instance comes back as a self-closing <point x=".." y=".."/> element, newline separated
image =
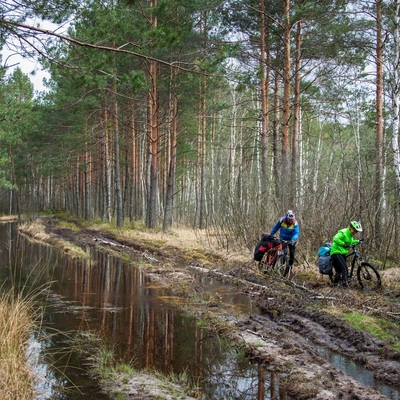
<point x="354" y="245"/>
<point x="282" y="240"/>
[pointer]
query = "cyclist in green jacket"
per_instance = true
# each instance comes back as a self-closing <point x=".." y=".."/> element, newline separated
<point x="343" y="239"/>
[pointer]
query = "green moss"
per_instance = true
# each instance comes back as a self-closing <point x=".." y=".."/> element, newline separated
<point x="68" y="225"/>
<point x="379" y="327"/>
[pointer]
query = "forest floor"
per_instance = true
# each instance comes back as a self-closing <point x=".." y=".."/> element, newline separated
<point x="297" y="315"/>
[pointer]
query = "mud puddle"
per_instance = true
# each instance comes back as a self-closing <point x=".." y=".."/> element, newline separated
<point x="269" y="343"/>
<point x="357" y="371"/>
<point x="107" y="297"/>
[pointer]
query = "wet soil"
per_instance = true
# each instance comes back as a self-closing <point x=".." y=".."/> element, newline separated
<point x="293" y="320"/>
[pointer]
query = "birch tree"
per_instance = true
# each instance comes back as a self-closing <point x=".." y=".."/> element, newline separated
<point x="379" y="125"/>
<point x="395" y="93"/>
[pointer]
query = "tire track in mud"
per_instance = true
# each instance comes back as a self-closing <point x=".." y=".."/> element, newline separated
<point x="285" y="339"/>
<point x="334" y="334"/>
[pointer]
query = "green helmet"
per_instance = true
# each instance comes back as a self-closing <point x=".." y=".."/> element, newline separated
<point x="356" y="225"/>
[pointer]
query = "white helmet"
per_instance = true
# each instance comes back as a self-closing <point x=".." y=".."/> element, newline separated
<point x="290" y="215"/>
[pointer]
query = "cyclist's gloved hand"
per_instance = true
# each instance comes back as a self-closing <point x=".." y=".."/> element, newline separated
<point x="346" y="246"/>
<point x="362" y="241"/>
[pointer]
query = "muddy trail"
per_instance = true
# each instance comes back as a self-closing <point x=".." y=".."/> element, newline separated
<point x="292" y="325"/>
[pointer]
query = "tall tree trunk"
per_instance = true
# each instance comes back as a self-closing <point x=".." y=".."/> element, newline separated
<point x="203" y="212"/>
<point x="198" y="147"/>
<point x="264" y="70"/>
<point x="275" y="133"/>
<point x="212" y="188"/>
<point x="16" y="191"/>
<point x="152" y="214"/>
<point x="286" y="103"/>
<point x="296" y="119"/>
<point x="232" y="146"/>
<point x="87" y="180"/>
<point x="107" y="169"/>
<point x="134" y="167"/>
<point x="153" y="136"/>
<point x="117" y="171"/>
<point x="396" y="98"/>
<point x="379" y="126"/>
<point x="169" y="201"/>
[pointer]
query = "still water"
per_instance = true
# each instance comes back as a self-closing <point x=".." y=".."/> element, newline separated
<point x="116" y="301"/>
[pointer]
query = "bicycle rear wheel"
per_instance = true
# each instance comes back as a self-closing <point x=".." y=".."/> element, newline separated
<point x="261" y="264"/>
<point x="268" y="261"/>
<point x="368" y="277"/>
<point x="282" y="264"/>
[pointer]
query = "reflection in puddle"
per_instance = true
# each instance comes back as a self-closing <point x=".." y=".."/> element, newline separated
<point x="358" y="372"/>
<point x="136" y="318"/>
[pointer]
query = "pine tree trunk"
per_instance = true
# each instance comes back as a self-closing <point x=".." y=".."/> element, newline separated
<point x="134" y="167"/>
<point x="379" y="126"/>
<point x="264" y="70"/>
<point x="169" y="200"/>
<point x="284" y="181"/>
<point x="296" y="120"/>
<point x="117" y="171"/>
<point x="203" y="211"/>
<point x="152" y="214"/>
<point x="153" y="129"/>
<point x="396" y="99"/>
<point x="107" y="170"/>
<point x="275" y="136"/>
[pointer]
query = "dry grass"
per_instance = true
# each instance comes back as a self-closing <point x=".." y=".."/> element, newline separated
<point x="16" y="324"/>
<point x="189" y="240"/>
<point x="37" y="231"/>
<point x="391" y="278"/>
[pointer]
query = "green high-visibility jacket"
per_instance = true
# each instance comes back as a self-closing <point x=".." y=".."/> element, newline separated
<point x="342" y="237"/>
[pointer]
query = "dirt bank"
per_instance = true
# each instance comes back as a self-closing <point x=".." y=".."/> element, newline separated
<point x="296" y="315"/>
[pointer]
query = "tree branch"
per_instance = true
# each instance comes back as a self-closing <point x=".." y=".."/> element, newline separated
<point x="89" y="45"/>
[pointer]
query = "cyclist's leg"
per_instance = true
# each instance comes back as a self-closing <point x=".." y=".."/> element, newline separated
<point x="340" y="266"/>
<point x="292" y="250"/>
<point x="285" y="248"/>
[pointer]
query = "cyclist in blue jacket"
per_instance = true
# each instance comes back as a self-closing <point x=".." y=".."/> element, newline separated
<point x="289" y="230"/>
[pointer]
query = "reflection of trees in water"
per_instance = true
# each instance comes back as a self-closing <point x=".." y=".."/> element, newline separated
<point x="108" y="296"/>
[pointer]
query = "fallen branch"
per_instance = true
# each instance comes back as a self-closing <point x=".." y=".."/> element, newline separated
<point x="321" y="297"/>
<point x="108" y="242"/>
<point x="255" y="333"/>
<point x="146" y="255"/>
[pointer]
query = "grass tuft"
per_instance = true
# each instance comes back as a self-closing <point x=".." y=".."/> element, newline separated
<point x="16" y="325"/>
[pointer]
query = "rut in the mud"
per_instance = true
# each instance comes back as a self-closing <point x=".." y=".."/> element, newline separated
<point x="293" y="323"/>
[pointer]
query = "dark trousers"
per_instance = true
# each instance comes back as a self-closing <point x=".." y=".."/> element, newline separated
<point x="340" y="266"/>
<point x="292" y="250"/>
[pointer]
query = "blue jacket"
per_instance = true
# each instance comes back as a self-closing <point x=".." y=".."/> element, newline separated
<point x="288" y="231"/>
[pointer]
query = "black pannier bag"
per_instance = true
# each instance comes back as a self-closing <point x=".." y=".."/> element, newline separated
<point x="266" y="243"/>
<point x="325" y="265"/>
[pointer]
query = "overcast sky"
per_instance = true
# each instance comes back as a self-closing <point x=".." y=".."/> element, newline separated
<point x="29" y="67"/>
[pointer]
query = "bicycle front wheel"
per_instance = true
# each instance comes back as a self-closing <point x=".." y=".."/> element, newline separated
<point x="368" y="277"/>
<point x="282" y="264"/>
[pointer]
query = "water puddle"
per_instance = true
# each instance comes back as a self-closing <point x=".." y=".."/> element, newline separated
<point x="358" y="372"/>
<point x="112" y="299"/>
<point x="137" y="318"/>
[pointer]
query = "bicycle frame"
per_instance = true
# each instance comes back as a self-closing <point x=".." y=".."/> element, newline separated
<point x="272" y="254"/>
<point x="356" y="258"/>
<point x="276" y="258"/>
<point x="367" y="274"/>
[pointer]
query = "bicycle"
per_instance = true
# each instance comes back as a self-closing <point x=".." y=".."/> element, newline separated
<point x="368" y="276"/>
<point x="276" y="259"/>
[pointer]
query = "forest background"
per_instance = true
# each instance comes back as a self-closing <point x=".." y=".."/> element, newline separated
<point x="217" y="115"/>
